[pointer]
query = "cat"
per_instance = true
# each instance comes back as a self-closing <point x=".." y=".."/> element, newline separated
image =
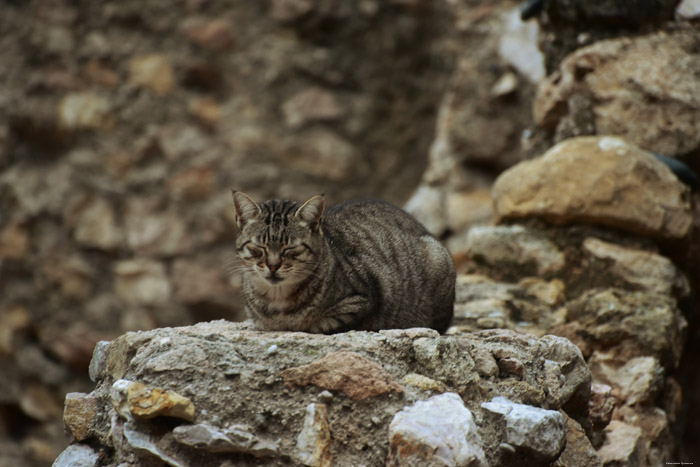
<point x="360" y="265"/>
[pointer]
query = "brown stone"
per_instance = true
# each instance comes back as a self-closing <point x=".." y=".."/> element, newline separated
<point x="206" y="110"/>
<point x="99" y="73"/>
<point x="71" y="276"/>
<point x="514" y="246"/>
<point x="73" y="345"/>
<point x="14" y="241"/>
<point x="578" y="451"/>
<point x="290" y="10"/>
<point x="193" y="184"/>
<point x="643" y="269"/>
<point x="348" y="372"/>
<point x="549" y="292"/>
<point x="640" y="324"/>
<point x="214" y="34"/>
<point x="96" y="226"/>
<point x="141" y="282"/>
<point x="601" y="405"/>
<point x="576" y="333"/>
<point x="323" y="153"/>
<point x="13" y="319"/>
<point x="154" y="72"/>
<point x="152" y="232"/>
<point x="79" y="413"/>
<point x="424" y="383"/>
<point x="39" y="403"/>
<point x="196" y="283"/>
<point x="597" y="180"/>
<point x="178" y="141"/>
<point x="466" y="208"/>
<point x="312" y="104"/>
<point x="148" y="402"/>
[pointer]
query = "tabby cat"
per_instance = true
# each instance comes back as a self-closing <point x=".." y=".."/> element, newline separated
<point x="364" y="265"/>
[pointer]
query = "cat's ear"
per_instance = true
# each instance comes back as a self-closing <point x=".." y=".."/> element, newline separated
<point x="311" y="211"/>
<point x="246" y="208"/>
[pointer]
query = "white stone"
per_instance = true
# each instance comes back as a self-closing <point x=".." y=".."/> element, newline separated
<point x="427" y="205"/>
<point x="77" y="455"/>
<point x="540" y="430"/>
<point x="519" y="46"/>
<point x="444" y="426"/>
<point x="638" y="380"/>
<point x="622" y="444"/>
<point x="688" y="9"/>
<point x="314" y="440"/>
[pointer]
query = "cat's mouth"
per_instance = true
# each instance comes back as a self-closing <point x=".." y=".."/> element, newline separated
<point x="273" y="279"/>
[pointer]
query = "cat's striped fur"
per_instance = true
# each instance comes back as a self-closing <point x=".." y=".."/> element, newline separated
<point x="363" y="265"/>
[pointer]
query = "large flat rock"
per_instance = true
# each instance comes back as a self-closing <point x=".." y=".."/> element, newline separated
<point x="306" y="399"/>
<point x="598" y="180"/>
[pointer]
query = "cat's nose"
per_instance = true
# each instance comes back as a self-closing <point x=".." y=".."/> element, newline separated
<point x="273" y="266"/>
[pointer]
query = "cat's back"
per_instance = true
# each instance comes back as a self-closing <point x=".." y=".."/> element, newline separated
<point x="370" y="218"/>
<point x="388" y="254"/>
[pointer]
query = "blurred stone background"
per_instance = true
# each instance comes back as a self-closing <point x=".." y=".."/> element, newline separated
<point x="124" y="124"/>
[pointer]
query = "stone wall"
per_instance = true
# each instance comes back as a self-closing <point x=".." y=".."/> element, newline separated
<point x="123" y="125"/>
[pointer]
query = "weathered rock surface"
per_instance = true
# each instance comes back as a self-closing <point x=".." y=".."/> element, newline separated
<point x="622" y="445"/>
<point x="638" y="380"/>
<point x="641" y="324"/>
<point x="232" y="439"/>
<point x="645" y="270"/>
<point x="600" y="180"/>
<point x="631" y="335"/>
<point x="527" y="248"/>
<point x="623" y="87"/>
<point x="528" y="306"/>
<point x="347" y="372"/>
<point x="233" y="377"/>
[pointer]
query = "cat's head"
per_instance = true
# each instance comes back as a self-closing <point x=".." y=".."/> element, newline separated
<point x="279" y="242"/>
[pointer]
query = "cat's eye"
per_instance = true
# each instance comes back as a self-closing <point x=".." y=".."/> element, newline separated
<point x="255" y="252"/>
<point x="293" y="252"/>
